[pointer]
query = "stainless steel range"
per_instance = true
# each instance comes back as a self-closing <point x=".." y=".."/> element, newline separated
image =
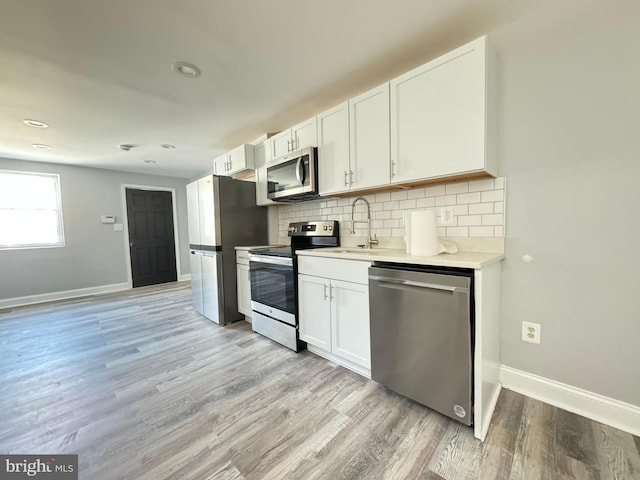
<point x="274" y="281"/>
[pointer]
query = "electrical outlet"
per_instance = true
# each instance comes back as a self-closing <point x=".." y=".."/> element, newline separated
<point x="531" y="332"/>
<point x="446" y="216"/>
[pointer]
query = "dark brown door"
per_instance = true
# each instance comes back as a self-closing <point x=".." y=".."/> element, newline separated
<point x="151" y="237"/>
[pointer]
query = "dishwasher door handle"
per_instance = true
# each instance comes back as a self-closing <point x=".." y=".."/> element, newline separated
<point x="409" y="283"/>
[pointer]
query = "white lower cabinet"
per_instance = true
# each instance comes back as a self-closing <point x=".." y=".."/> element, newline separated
<point x="243" y="283"/>
<point x="333" y="312"/>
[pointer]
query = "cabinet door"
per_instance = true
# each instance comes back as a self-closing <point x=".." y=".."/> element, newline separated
<point x="333" y="150"/>
<point x="438" y="116"/>
<point x="261" y="157"/>
<point x="244" y="289"/>
<point x="281" y="143"/>
<point x="207" y="212"/>
<point x="305" y="134"/>
<point x="221" y="165"/>
<point x="241" y="158"/>
<point x="193" y="213"/>
<point x="369" y="139"/>
<point x="350" y="322"/>
<point x="314" y="311"/>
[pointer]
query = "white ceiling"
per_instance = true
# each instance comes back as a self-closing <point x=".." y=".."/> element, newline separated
<point x="99" y="71"/>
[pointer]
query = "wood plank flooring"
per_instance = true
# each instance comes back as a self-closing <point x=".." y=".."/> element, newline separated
<point x="142" y="387"/>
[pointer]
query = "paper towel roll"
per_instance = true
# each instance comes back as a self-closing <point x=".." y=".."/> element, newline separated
<point x="424" y="235"/>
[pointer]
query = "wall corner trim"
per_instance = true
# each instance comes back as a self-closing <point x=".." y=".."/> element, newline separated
<point x="609" y="411"/>
<point x="64" y="295"/>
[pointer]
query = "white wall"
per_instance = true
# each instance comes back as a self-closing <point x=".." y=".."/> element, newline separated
<point x="94" y="254"/>
<point x="570" y="150"/>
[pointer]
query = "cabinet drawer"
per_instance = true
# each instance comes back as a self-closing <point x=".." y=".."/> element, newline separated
<point x="346" y="270"/>
<point x="242" y="257"/>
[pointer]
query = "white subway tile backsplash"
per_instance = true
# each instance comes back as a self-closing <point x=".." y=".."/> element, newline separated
<point x="445" y="200"/>
<point x="461" y="210"/>
<point x="400" y="195"/>
<point x="435" y="191"/>
<point x="481" y="185"/>
<point x="494" y="219"/>
<point x="493" y="196"/>
<point x="381" y="215"/>
<point x="453" y="188"/>
<point x="407" y="204"/>
<point x="468" y="198"/>
<point x="392" y="223"/>
<point x="457" y="231"/>
<point x="426" y="202"/>
<point x="481" y="231"/>
<point x="478" y="208"/>
<point x="468" y="220"/>
<point x="416" y="193"/>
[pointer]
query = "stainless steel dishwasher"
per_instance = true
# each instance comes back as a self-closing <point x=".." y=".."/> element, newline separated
<point x="422" y="335"/>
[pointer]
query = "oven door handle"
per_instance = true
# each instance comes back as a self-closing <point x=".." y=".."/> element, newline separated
<point x="270" y="259"/>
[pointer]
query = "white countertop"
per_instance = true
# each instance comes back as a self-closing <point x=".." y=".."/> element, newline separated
<point x="475" y="260"/>
<point x="251" y="247"/>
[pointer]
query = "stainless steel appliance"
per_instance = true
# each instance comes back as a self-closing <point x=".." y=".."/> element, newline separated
<point x="222" y="214"/>
<point x="422" y="335"/>
<point x="293" y="177"/>
<point x="274" y="281"/>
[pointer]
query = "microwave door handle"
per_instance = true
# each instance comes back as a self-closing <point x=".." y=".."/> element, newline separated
<point x="300" y="171"/>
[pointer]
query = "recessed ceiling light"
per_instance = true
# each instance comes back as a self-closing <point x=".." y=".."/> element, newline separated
<point x="41" y="146"/>
<point x="150" y="162"/>
<point x="186" y="69"/>
<point x="168" y="146"/>
<point x="35" y="123"/>
<point x="127" y="146"/>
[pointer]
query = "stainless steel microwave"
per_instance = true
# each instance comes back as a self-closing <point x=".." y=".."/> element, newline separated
<point x="294" y="177"/>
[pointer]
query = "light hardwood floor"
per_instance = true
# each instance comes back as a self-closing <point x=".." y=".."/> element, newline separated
<point x="142" y="387"/>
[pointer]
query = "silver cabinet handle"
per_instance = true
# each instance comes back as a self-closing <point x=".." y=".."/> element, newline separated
<point x="393" y="168"/>
<point x="350" y="177"/>
<point x="325" y="291"/>
<point x="432" y="286"/>
<point x="331" y="291"/>
<point x="346" y="184"/>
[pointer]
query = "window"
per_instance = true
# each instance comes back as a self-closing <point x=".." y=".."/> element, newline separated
<point x="30" y="210"/>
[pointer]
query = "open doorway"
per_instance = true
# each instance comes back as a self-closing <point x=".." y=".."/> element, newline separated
<point x="151" y="236"/>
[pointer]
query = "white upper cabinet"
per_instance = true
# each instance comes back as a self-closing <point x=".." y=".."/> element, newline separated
<point x="440" y="117"/>
<point x="333" y="150"/>
<point x="302" y="135"/>
<point x="262" y="155"/>
<point x="369" y="139"/>
<point x="237" y="160"/>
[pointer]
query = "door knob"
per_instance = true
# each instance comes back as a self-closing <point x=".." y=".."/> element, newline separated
<point x="132" y="244"/>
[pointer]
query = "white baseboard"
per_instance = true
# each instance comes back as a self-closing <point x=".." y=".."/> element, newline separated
<point x="184" y="277"/>
<point x="609" y="411"/>
<point x="50" y="297"/>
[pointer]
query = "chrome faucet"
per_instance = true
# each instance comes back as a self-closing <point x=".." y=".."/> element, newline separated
<point x="370" y="240"/>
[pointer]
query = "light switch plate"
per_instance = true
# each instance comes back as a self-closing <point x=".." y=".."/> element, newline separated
<point x="446" y="216"/>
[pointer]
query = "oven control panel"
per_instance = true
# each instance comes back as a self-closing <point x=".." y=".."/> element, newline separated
<point x="326" y="228"/>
